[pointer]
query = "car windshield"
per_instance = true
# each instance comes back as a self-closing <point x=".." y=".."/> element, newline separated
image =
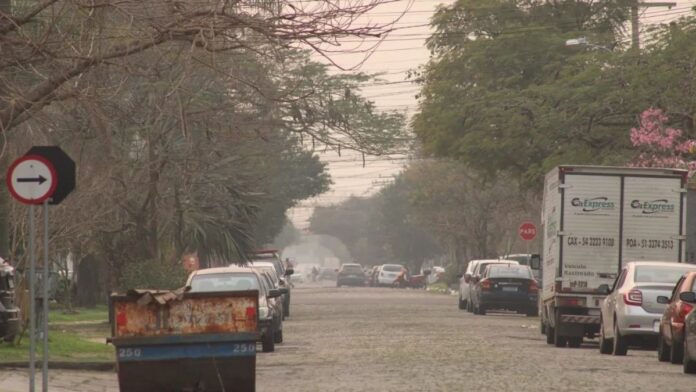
<point x="224" y="282"/>
<point x="351" y="268"/>
<point x="509" y="271"/>
<point x="660" y="274"/>
<point x="482" y="266"/>
<point x="392" y="268"/>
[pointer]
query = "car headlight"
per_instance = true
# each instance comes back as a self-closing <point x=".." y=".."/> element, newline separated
<point x="263" y="312"/>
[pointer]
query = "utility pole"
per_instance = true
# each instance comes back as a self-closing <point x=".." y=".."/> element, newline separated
<point x="635" y="20"/>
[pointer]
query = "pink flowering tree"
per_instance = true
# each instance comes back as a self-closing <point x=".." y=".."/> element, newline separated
<point x="661" y="145"/>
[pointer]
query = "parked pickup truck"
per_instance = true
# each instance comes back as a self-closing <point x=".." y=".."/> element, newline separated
<point x="181" y="341"/>
<point x="596" y="219"/>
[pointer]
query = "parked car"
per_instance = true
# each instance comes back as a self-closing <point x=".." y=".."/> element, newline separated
<point x="388" y="274"/>
<point x="630" y="314"/>
<point x="670" y="339"/>
<point x="275" y="302"/>
<point x="468" y="279"/>
<point x="350" y="275"/>
<point x="281" y="279"/>
<point x="9" y="311"/>
<point x="506" y="286"/>
<point x="689" y="361"/>
<point x="236" y="278"/>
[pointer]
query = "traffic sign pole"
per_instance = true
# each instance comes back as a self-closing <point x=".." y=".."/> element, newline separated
<point x="44" y="175"/>
<point x="32" y="302"/>
<point x="46" y="281"/>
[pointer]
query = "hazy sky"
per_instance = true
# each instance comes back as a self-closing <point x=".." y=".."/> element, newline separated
<point x="403" y="50"/>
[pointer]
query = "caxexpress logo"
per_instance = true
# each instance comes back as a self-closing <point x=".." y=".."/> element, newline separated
<point x="654" y="206"/>
<point x="593" y="204"/>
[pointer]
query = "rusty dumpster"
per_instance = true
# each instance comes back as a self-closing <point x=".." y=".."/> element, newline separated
<point x="185" y="342"/>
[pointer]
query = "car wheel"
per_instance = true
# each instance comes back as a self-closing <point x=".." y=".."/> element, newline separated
<point x="663" y="350"/>
<point x="689" y="364"/>
<point x="462" y="304"/>
<point x="482" y="310"/>
<point x="619" y="343"/>
<point x="267" y="343"/>
<point x="605" y="345"/>
<point x="286" y="307"/>
<point x="278" y="336"/>
<point x="532" y="313"/>
<point x="575" y="342"/>
<point x="676" y="353"/>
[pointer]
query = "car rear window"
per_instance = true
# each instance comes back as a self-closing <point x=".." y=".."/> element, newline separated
<point x="352" y="268"/>
<point x="512" y="271"/>
<point x="661" y="274"/>
<point x="224" y="282"/>
<point x="392" y="268"/>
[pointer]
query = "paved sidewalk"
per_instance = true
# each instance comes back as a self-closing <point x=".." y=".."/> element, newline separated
<point x="17" y="380"/>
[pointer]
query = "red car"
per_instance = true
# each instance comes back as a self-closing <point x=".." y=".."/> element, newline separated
<point x="670" y="343"/>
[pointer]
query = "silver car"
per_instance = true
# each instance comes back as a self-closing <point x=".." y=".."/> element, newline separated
<point x="630" y="313"/>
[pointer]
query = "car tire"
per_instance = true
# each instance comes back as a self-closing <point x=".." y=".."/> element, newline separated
<point x="605" y="345"/>
<point x="575" y="342"/>
<point x="286" y="307"/>
<point x="531" y="313"/>
<point x="482" y="310"/>
<point x="462" y="304"/>
<point x="278" y="336"/>
<point x="619" y="344"/>
<point x="676" y="354"/>
<point x="689" y="364"/>
<point x="267" y="343"/>
<point x="542" y="326"/>
<point x="663" y="350"/>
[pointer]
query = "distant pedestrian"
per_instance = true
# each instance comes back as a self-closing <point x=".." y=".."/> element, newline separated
<point x="315" y="273"/>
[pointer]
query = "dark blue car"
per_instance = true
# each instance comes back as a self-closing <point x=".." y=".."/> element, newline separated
<point x="506" y="287"/>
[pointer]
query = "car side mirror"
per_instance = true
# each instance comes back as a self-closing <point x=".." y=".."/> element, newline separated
<point x="289" y="271"/>
<point x="662" y="300"/>
<point x="603" y="289"/>
<point x="688" y="296"/>
<point x="274" y="293"/>
<point x="283" y="290"/>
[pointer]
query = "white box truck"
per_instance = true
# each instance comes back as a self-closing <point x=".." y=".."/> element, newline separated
<point x="595" y="219"/>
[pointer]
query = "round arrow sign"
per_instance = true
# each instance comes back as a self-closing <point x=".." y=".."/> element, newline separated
<point x="32" y="179"/>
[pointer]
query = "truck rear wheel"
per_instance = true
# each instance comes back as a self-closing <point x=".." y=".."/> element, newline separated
<point x="550" y="334"/>
<point x="575" y="342"/>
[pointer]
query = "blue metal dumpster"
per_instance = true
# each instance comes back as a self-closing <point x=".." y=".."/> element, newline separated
<point x="177" y="341"/>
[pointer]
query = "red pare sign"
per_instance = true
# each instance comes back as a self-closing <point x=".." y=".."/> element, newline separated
<point x="527" y="231"/>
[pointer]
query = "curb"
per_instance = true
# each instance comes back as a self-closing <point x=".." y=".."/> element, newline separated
<point x="63" y="365"/>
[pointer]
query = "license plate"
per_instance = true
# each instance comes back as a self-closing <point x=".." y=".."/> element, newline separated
<point x="656" y="326"/>
<point x="509" y="288"/>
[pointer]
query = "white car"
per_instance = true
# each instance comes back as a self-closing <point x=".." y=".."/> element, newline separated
<point x="631" y="313"/>
<point x="473" y="272"/>
<point x="388" y="273"/>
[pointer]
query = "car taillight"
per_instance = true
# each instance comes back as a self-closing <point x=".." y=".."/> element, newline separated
<point x="684" y="310"/>
<point x="634" y="297"/>
<point x="533" y="287"/>
<point x="251" y="312"/>
<point x="486" y="284"/>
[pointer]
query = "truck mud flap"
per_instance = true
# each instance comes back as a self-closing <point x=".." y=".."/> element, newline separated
<point x="579" y="319"/>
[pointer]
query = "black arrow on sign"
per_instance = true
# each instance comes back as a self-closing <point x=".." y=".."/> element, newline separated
<point x="40" y="179"/>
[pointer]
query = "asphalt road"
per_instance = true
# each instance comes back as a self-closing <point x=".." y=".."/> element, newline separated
<point x="363" y="339"/>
